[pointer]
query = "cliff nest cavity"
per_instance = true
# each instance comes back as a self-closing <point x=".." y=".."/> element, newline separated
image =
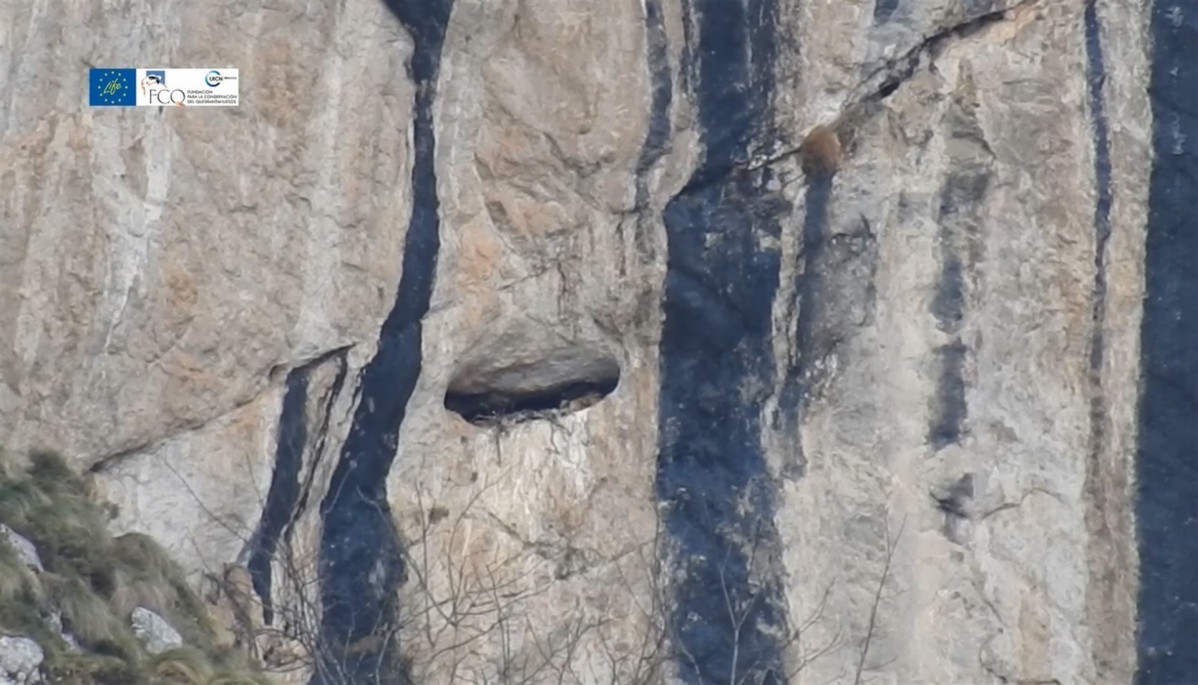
<point x="515" y="377"/>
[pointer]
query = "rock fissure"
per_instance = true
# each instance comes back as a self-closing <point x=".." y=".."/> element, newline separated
<point x="1008" y="506"/>
<point x="105" y="464"/>
<point x="897" y="71"/>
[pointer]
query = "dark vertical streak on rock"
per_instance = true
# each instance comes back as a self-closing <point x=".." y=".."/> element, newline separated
<point x="948" y="305"/>
<point x="1167" y="470"/>
<point x="661" y="93"/>
<point x="948" y="413"/>
<point x="283" y="494"/>
<point x="1095" y="78"/>
<point x="322" y="434"/>
<point x="686" y="60"/>
<point x="662" y="87"/>
<point x="809" y="286"/>
<point x="361" y="559"/>
<point x="1105" y="479"/>
<point x="960" y="198"/>
<point x="286" y="496"/>
<point x="717" y="365"/>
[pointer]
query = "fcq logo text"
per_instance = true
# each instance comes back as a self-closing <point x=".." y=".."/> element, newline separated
<point x="167" y="97"/>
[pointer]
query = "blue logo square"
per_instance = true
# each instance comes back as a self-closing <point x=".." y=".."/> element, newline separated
<point x="112" y="87"/>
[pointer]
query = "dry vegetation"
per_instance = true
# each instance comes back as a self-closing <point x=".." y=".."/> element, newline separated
<point x="93" y="582"/>
<point x="472" y="619"/>
<point x="466" y="619"/>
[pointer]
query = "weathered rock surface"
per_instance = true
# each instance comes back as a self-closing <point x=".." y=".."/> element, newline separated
<point x="155" y="633"/>
<point x="630" y="339"/>
<point x="20" y="660"/>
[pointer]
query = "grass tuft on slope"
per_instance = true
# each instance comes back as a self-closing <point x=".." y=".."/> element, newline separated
<point x="93" y="582"/>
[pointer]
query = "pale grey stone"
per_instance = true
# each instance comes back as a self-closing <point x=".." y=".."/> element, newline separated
<point x="20" y="659"/>
<point x="154" y="632"/>
<point x="26" y="550"/>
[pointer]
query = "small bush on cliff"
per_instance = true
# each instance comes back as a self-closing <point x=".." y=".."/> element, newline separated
<point x="93" y="582"/>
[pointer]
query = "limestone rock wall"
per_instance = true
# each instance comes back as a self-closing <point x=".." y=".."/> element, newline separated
<point x="158" y="268"/>
<point x="635" y="341"/>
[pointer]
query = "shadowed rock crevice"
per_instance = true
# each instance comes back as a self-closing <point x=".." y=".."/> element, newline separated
<point x="564" y="381"/>
<point x="956" y="501"/>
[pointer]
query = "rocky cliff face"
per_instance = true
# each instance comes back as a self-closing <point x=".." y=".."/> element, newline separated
<point x="700" y="340"/>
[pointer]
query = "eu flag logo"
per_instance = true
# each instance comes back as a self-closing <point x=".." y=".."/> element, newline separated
<point x="112" y="87"/>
